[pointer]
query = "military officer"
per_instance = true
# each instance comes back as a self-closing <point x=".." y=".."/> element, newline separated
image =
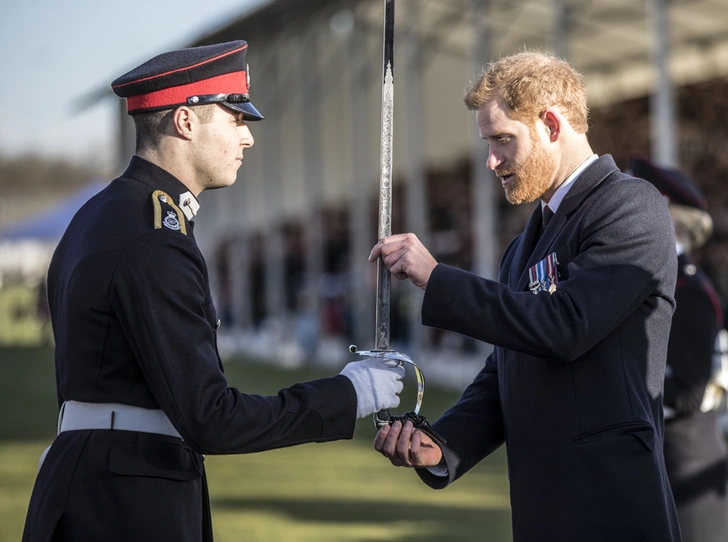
<point x="695" y="451"/>
<point x="140" y="384"/>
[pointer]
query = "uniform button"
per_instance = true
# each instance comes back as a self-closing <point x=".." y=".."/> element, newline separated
<point x="690" y="269"/>
<point x="219" y="323"/>
<point x="163" y="199"/>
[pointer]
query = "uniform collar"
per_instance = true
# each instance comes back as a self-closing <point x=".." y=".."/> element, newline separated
<point x="189" y="204"/>
<point x="157" y="178"/>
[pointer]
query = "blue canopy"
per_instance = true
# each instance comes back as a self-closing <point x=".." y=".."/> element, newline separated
<point x="51" y="223"/>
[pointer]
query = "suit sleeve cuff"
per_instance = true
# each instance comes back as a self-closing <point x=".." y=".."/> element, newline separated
<point x="436" y="294"/>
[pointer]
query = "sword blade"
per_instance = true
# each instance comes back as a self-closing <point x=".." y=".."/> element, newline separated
<point x="385" y="180"/>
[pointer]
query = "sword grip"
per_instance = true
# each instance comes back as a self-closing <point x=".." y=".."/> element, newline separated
<point x="382" y="418"/>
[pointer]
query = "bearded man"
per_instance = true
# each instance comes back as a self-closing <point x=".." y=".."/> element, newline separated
<point x="579" y="318"/>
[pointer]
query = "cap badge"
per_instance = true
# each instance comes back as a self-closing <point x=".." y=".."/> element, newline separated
<point x="247" y="76"/>
<point x="170" y="221"/>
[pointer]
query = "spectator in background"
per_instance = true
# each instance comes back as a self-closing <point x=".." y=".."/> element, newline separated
<point x="695" y="451"/>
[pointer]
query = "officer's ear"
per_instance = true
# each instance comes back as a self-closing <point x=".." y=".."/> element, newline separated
<point x="183" y="121"/>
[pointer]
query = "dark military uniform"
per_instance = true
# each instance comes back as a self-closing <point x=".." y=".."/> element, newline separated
<point x="695" y="452"/>
<point x="135" y="324"/>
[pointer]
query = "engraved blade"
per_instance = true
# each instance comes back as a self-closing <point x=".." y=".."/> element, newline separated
<point x="382" y="323"/>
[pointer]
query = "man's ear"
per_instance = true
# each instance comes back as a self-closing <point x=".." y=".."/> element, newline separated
<point x="552" y="120"/>
<point x="183" y="120"/>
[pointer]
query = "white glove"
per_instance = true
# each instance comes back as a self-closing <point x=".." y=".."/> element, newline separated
<point x="377" y="382"/>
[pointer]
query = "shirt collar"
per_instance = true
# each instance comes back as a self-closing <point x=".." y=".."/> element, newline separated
<point x="562" y="190"/>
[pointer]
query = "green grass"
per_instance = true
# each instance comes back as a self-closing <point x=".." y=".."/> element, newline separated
<point x="341" y="491"/>
<point x="28" y="404"/>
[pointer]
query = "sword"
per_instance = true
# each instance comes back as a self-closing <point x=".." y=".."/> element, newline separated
<point x="381" y="339"/>
<point x="384" y="278"/>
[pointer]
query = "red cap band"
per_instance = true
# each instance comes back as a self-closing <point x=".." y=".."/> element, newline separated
<point x="228" y="83"/>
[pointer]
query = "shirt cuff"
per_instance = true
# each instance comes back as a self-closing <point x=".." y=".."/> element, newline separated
<point x="439" y="470"/>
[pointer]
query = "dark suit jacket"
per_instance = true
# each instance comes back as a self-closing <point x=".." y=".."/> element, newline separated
<point x="134" y="323"/>
<point x="574" y="383"/>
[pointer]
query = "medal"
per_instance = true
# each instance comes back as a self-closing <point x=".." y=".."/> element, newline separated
<point x="544" y="276"/>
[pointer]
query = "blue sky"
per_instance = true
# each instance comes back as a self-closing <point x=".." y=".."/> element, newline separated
<point x="54" y="53"/>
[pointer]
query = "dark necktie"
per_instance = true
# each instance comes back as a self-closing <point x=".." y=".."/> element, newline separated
<point x="547" y="215"/>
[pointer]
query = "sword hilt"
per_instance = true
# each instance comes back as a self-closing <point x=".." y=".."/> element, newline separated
<point x="384" y="417"/>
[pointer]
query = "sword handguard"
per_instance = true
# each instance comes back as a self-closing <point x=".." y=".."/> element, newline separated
<point x="384" y="417"/>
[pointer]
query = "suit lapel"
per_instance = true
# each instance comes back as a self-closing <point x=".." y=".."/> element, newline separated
<point x="525" y="246"/>
<point x="589" y="179"/>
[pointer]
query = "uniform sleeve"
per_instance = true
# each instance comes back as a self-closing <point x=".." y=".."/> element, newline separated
<point x="161" y="296"/>
<point x="623" y="254"/>
<point x="690" y="349"/>
<point x="478" y="407"/>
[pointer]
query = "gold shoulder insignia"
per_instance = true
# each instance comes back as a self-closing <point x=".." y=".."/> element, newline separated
<point x="174" y="219"/>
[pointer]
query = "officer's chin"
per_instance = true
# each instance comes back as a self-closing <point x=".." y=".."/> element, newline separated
<point x="216" y="184"/>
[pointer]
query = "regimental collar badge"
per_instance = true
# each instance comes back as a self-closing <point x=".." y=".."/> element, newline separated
<point x="189" y="205"/>
<point x="544" y="276"/>
<point x="170" y="221"/>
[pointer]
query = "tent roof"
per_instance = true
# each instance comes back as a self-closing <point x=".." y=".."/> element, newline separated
<point x="611" y="42"/>
<point x="50" y="224"/>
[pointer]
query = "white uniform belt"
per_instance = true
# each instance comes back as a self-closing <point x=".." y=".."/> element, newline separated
<point x="77" y="416"/>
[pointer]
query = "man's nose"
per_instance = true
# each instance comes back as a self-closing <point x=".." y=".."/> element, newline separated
<point x="247" y="139"/>
<point x="493" y="160"/>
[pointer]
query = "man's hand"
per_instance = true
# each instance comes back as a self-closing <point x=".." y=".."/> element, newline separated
<point x="406" y="257"/>
<point x="407" y="446"/>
